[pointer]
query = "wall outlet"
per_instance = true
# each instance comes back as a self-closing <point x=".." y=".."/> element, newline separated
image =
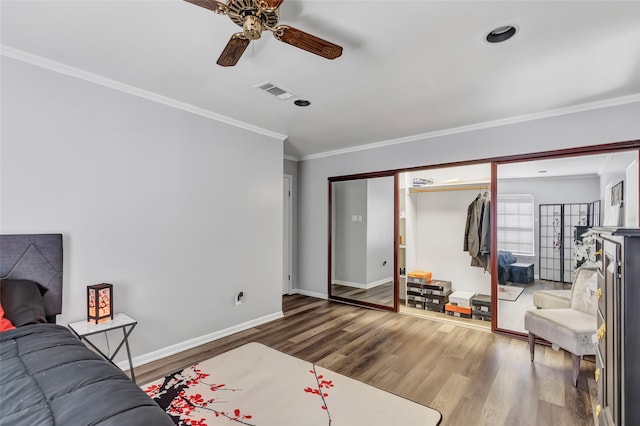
<point x="239" y="297"/>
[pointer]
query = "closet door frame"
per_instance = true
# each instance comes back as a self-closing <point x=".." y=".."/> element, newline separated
<point x="557" y="154"/>
<point x="628" y="145"/>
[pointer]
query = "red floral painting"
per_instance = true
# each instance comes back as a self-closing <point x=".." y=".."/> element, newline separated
<point x="320" y="389"/>
<point x="178" y="396"/>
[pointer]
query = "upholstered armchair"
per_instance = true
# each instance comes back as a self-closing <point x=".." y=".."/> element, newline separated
<point x="571" y="328"/>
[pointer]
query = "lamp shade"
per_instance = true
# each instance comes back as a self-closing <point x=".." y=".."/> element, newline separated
<point x="99" y="303"/>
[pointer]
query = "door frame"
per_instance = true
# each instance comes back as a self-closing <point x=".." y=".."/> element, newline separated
<point x="287" y="235"/>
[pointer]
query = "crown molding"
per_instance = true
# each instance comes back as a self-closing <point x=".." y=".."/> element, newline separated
<point x="125" y="88"/>
<point x="479" y="126"/>
<point x="103" y="81"/>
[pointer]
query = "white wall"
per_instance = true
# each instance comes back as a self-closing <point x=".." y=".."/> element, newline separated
<point x="611" y="215"/>
<point x="597" y="126"/>
<point x="440" y="224"/>
<point x="178" y="211"/>
<point x="631" y="194"/>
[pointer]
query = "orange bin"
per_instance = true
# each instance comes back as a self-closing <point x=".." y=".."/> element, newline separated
<point x="456" y="308"/>
<point x="419" y="277"/>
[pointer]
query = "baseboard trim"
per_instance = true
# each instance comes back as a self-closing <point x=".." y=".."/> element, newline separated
<point x="309" y="293"/>
<point x="197" y="341"/>
<point x="364" y="286"/>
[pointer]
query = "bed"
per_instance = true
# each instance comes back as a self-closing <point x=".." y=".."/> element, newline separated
<point x="47" y="375"/>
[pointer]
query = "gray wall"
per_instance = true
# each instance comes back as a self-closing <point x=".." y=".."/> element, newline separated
<point x="565" y="190"/>
<point x="380" y="211"/>
<point x="147" y="199"/>
<point x="361" y="247"/>
<point x="350" y="237"/>
<point x="597" y="126"/>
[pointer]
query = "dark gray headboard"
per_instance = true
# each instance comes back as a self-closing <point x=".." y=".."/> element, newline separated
<point x="35" y="257"/>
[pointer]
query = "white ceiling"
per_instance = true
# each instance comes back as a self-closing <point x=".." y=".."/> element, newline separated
<point x="408" y="67"/>
<point x="594" y="164"/>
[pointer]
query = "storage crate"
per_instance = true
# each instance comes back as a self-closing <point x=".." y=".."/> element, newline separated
<point x="437" y="299"/>
<point x="435" y="307"/>
<point x="439" y="287"/>
<point x="414" y="304"/>
<point x="483" y="316"/>
<point x="416" y="289"/>
<point x="481" y="300"/>
<point x="459" y="309"/>
<point x="482" y="309"/>
<point x="458" y="314"/>
<point x="436" y="287"/>
<point x="419" y="277"/>
<point x="415" y="298"/>
<point x="481" y="304"/>
<point x="521" y="273"/>
<point x="461" y="298"/>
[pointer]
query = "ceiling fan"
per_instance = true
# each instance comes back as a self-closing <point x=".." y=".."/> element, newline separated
<point x="255" y="16"/>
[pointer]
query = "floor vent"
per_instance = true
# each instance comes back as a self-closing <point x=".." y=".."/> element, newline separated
<point x="279" y="92"/>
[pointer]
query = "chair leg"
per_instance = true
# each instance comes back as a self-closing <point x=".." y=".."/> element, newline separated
<point x="576" y="369"/>
<point x="532" y="345"/>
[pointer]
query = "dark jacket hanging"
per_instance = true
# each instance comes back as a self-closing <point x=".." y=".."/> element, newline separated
<point x="477" y="231"/>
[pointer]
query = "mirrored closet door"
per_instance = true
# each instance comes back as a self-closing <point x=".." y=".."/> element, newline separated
<point x="363" y="253"/>
<point x="543" y="237"/>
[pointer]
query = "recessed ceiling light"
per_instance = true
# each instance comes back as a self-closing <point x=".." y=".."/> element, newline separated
<point x="302" y="102"/>
<point x="501" y="34"/>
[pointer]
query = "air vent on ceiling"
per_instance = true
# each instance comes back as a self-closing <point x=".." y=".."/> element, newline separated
<point x="279" y="92"/>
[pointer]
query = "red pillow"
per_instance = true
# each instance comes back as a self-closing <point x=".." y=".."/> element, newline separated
<point x="5" y="324"/>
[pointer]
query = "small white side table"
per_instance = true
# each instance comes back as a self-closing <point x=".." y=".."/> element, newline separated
<point x="84" y="329"/>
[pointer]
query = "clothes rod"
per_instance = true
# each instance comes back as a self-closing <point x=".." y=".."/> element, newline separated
<point x="457" y="187"/>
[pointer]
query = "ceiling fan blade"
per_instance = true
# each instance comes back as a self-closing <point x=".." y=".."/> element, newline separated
<point x="216" y="6"/>
<point x="269" y="4"/>
<point x="306" y="41"/>
<point x="233" y="50"/>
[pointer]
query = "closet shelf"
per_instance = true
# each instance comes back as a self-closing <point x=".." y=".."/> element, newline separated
<point x="458" y="186"/>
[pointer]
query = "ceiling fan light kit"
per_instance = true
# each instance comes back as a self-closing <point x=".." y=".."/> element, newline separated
<point x="255" y="16"/>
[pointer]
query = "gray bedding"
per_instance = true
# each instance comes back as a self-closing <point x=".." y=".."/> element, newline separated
<point x="49" y="377"/>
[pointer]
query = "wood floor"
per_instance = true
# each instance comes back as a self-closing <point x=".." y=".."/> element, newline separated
<point x="470" y="376"/>
<point x="380" y="295"/>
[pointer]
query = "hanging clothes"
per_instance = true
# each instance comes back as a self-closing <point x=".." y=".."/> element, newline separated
<point x="477" y="231"/>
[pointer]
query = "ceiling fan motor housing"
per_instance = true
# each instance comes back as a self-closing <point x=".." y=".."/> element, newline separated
<point x="247" y="14"/>
<point x="252" y="27"/>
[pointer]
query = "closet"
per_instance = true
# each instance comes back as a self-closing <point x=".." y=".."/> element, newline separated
<point x="545" y="203"/>
<point x="433" y="208"/>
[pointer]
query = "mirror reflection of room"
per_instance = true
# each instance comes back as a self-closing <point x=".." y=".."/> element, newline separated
<point x="363" y="240"/>
<point x="545" y="211"/>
